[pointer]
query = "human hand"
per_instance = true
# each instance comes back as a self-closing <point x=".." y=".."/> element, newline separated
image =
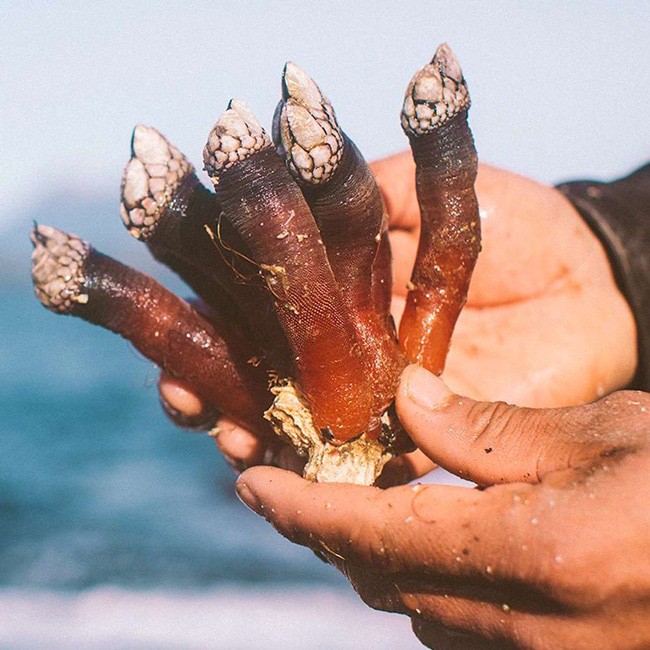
<point x="554" y="553"/>
<point x="542" y="299"/>
<point x="541" y="304"/>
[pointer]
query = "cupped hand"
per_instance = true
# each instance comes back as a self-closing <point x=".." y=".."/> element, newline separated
<point x="553" y="553"/>
<point x="544" y="325"/>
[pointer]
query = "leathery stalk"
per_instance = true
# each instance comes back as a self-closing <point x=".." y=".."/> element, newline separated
<point x="434" y="117"/>
<point x="291" y="257"/>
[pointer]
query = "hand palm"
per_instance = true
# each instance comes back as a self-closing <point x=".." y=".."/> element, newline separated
<point x="542" y="299"/>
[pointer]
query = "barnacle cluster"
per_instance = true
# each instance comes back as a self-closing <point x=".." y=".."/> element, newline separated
<point x="290" y="256"/>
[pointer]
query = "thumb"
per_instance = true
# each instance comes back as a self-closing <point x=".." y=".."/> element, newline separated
<point x="490" y="442"/>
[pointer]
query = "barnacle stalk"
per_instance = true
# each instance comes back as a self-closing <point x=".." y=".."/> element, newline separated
<point x="292" y="260"/>
<point x="70" y="277"/>
<point x="347" y="204"/>
<point x="164" y="204"/>
<point x="159" y="189"/>
<point x="434" y="117"/>
<point x="266" y="208"/>
<point x="334" y="177"/>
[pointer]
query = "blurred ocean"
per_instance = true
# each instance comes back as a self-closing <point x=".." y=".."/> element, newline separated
<point x="118" y="530"/>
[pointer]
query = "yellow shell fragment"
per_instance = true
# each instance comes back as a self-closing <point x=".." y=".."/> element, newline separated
<point x="358" y="461"/>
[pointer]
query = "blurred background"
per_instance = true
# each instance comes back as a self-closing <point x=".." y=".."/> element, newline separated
<point x="117" y="530"/>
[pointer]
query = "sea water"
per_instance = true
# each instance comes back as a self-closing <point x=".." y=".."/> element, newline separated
<point x="119" y="530"/>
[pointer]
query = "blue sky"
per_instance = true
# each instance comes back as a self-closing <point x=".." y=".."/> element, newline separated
<point x="560" y="89"/>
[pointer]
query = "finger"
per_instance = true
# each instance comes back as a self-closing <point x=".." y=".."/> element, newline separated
<point x="405" y="468"/>
<point x="431" y="530"/>
<point x="462" y="618"/>
<point x="240" y="447"/>
<point x="243" y="449"/>
<point x="435" y="635"/>
<point x="466" y="620"/>
<point x="183" y="406"/>
<point x="493" y="442"/>
<point x="375" y="588"/>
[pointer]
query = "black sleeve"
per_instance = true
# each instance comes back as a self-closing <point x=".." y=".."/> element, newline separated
<point x="619" y="214"/>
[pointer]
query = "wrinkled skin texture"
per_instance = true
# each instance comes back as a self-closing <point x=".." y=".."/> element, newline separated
<point x="554" y="553"/>
<point x="541" y="303"/>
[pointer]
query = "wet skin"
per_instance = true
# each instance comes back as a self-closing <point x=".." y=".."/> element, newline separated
<point x="554" y="553"/>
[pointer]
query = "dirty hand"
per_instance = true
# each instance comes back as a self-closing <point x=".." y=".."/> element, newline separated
<point x="553" y="553"/>
<point x="541" y="302"/>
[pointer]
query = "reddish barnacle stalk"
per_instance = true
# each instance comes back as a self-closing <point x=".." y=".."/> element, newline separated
<point x="292" y="258"/>
<point x="70" y="277"/>
<point x="266" y="208"/>
<point x="347" y="205"/>
<point x="165" y="205"/>
<point x="434" y="117"/>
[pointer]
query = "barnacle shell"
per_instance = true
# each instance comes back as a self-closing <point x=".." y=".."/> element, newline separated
<point x="358" y="461"/>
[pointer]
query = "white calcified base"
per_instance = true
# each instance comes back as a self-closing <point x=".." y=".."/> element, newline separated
<point x="359" y="461"/>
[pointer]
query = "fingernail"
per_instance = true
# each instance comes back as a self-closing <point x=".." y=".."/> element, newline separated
<point x="248" y="498"/>
<point x="203" y="421"/>
<point x="180" y="398"/>
<point x="425" y="389"/>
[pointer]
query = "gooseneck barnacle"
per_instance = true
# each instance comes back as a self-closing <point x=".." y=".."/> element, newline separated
<point x="347" y="205"/>
<point x="291" y="257"/>
<point x="71" y="277"/>
<point x="434" y="117"/>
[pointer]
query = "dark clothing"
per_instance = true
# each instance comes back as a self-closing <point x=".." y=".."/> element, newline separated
<point x="619" y="214"/>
